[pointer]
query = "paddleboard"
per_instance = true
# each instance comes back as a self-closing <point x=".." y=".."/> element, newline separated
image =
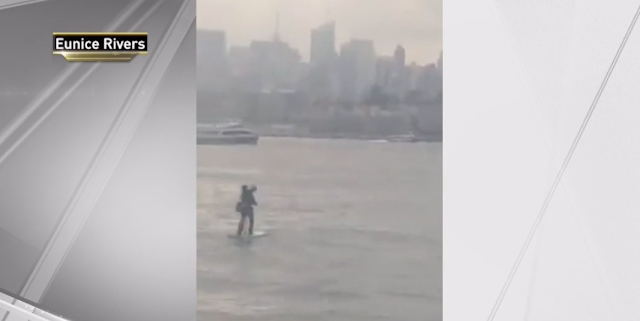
<point x="256" y="234"/>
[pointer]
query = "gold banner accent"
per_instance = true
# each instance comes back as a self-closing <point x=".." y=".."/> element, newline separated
<point x="104" y="56"/>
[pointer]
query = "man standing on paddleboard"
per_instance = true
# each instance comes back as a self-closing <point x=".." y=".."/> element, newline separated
<point x="245" y="207"/>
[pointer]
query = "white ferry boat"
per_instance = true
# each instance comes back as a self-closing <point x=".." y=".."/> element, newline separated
<point x="225" y="133"/>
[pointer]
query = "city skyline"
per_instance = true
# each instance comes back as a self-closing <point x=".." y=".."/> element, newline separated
<point x="338" y="47"/>
<point x="414" y="24"/>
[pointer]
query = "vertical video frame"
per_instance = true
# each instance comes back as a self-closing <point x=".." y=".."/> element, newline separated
<point x="319" y="160"/>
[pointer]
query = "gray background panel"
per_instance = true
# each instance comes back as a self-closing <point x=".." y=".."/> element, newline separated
<point x="66" y="140"/>
<point x="154" y="242"/>
<point x="27" y="65"/>
<point x="134" y="258"/>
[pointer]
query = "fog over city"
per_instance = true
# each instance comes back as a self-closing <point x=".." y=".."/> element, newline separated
<point x="416" y="24"/>
<point x="323" y="68"/>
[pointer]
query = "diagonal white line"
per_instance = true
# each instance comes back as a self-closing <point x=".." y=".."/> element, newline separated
<point x="53" y="86"/>
<point x="595" y="258"/>
<point x="560" y="174"/>
<point x="546" y="134"/>
<point x="108" y="157"/>
<point x="20" y="312"/>
<point x="534" y="274"/>
<point x="134" y="27"/>
<point x="8" y="4"/>
<point x="60" y="100"/>
<point x="47" y="315"/>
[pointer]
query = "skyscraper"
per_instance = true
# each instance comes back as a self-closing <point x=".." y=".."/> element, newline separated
<point x="323" y="41"/>
<point x="358" y="69"/>
<point x="399" y="56"/>
<point x="384" y="71"/>
<point x="322" y="61"/>
<point x="277" y="64"/>
<point x="398" y="84"/>
<point x="211" y="59"/>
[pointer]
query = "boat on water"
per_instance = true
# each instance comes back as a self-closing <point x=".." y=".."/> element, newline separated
<point x="225" y="133"/>
<point x="403" y="139"/>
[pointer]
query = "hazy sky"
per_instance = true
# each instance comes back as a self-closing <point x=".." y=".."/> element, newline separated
<point x="415" y="24"/>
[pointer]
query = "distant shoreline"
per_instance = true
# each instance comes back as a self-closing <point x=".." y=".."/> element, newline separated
<point x="302" y="133"/>
<point x="433" y="139"/>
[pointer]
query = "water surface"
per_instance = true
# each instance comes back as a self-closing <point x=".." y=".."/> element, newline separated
<point x="354" y="231"/>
